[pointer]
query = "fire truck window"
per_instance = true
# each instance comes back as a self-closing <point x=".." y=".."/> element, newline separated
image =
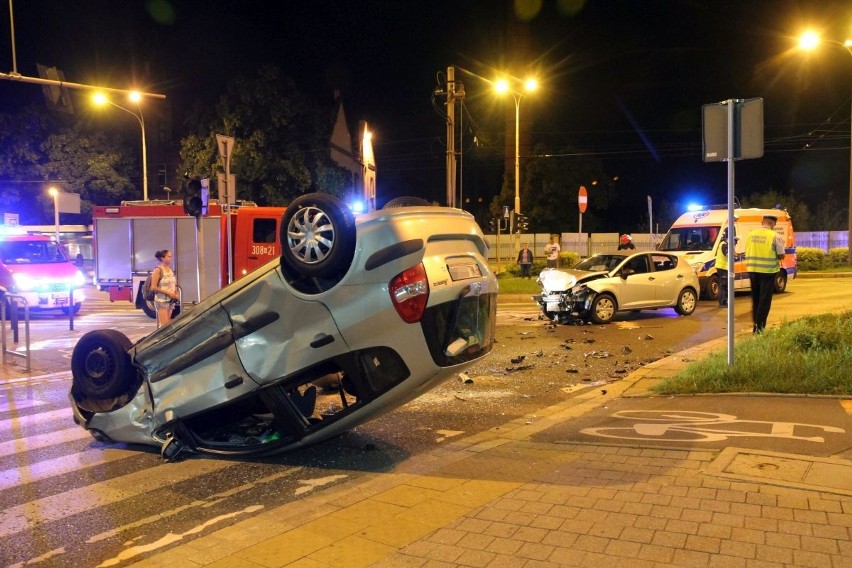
<point x="263" y="231"/>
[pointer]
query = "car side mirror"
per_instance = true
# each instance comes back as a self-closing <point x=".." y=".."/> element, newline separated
<point x="627" y="272"/>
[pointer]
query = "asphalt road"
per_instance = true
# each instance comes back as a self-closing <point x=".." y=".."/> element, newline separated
<point x="66" y="500"/>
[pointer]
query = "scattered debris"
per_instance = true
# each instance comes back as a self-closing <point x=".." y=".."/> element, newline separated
<point x="647" y="336"/>
<point x="518" y="359"/>
<point x="572" y="370"/>
<point x="519" y="368"/>
<point x="569" y="340"/>
<point x="539" y="353"/>
<point x="597" y="354"/>
<point x="603" y="391"/>
<point x="626" y="350"/>
<point x="588" y="340"/>
<point x="566" y="347"/>
<point x="465" y="378"/>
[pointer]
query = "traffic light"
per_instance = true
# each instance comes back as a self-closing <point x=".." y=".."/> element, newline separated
<point x="192" y="204"/>
<point x="521" y="222"/>
<point x="492" y="225"/>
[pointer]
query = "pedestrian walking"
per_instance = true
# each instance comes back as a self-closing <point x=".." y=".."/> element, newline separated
<point x="164" y="286"/>
<point x="552" y="251"/>
<point x="525" y="260"/>
<point x="764" y="250"/>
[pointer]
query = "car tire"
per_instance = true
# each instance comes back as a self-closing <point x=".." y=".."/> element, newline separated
<point x="77" y="308"/>
<point x="603" y="309"/>
<point x="687" y="301"/>
<point x="101" y="366"/>
<point x="780" y="281"/>
<point x="317" y="236"/>
<point x="711" y="291"/>
<point x="406" y="202"/>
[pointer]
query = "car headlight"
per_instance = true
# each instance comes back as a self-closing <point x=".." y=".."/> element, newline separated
<point x="78" y="280"/>
<point x="24" y="282"/>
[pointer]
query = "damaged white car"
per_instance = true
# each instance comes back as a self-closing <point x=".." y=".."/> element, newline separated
<point x="599" y="287"/>
<point x="357" y="317"/>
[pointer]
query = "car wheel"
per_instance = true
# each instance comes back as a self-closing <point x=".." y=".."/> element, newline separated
<point x="317" y="236"/>
<point x="100" y="365"/>
<point x="686" y="302"/>
<point x="780" y="281"/>
<point x="603" y="309"/>
<point x="77" y="308"/>
<point x="712" y="289"/>
<point x="406" y="202"/>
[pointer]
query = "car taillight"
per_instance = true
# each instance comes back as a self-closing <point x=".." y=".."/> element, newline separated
<point x="409" y="292"/>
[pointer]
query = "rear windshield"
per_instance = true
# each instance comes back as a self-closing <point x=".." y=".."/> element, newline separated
<point x="31" y="252"/>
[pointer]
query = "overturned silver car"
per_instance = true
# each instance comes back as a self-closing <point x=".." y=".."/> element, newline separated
<point x="357" y="317"/>
<point x="597" y="288"/>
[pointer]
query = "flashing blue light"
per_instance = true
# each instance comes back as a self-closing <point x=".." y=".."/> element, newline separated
<point x="356" y="206"/>
<point x="694" y="207"/>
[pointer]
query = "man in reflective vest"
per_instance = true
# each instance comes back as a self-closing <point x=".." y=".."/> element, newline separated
<point x="764" y="250"/>
<point x="722" y="269"/>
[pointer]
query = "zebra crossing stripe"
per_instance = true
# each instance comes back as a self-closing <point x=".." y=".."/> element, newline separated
<point x="57" y="507"/>
<point x="39" y="471"/>
<point x="45" y="440"/>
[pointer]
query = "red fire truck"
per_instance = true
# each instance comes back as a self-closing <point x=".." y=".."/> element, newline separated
<point x="127" y="236"/>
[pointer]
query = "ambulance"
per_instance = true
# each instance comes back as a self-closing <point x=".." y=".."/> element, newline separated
<point x="36" y="268"/>
<point x="696" y="236"/>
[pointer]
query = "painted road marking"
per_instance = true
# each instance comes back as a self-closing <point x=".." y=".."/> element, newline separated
<point x="701" y="427"/>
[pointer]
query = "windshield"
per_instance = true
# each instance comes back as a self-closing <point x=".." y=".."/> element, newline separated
<point x="31" y="252"/>
<point x="690" y="238"/>
<point x="600" y="262"/>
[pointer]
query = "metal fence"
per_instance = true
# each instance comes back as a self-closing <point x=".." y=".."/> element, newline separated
<point x="507" y="246"/>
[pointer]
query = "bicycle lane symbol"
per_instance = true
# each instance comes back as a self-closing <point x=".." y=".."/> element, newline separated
<point x="702" y="427"/>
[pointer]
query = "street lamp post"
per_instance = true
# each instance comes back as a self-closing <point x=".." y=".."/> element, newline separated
<point x="55" y="194"/>
<point x="502" y="86"/>
<point x="135" y="97"/>
<point x="809" y="41"/>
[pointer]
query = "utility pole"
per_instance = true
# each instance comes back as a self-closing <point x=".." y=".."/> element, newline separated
<point x="451" y="136"/>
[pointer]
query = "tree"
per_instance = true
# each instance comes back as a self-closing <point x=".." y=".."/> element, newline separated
<point x="550" y="182"/>
<point x="89" y="163"/>
<point x="281" y="137"/>
<point x="42" y="148"/>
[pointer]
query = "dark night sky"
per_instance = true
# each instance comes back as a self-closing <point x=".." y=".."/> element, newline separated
<point x="622" y="79"/>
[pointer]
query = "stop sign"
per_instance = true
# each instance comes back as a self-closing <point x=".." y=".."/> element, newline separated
<point x="583" y="199"/>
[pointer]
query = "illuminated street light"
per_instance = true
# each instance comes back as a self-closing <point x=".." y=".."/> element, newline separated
<point x="55" y="194"/>
<point x="135" y="97"/>
<point x="502" y="86"/>
<point x="811" y="40"/>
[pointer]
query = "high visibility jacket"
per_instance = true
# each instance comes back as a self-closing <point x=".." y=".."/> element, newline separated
<point x="721" y="257"/>
<point x="760" y="254"/>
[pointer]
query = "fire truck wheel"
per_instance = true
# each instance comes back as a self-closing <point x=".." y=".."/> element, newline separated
<point x="149" y="309"/>
<point x="406" y="202"/>
<point x="100" y="365"/>
<point x="317" y="236"/>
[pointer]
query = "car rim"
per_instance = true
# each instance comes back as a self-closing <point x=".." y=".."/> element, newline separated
<point x="688" y="302"/>
<point x="98" y="364"/>
<point x="310" y="235"/>
<point x="605" y="309"/>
